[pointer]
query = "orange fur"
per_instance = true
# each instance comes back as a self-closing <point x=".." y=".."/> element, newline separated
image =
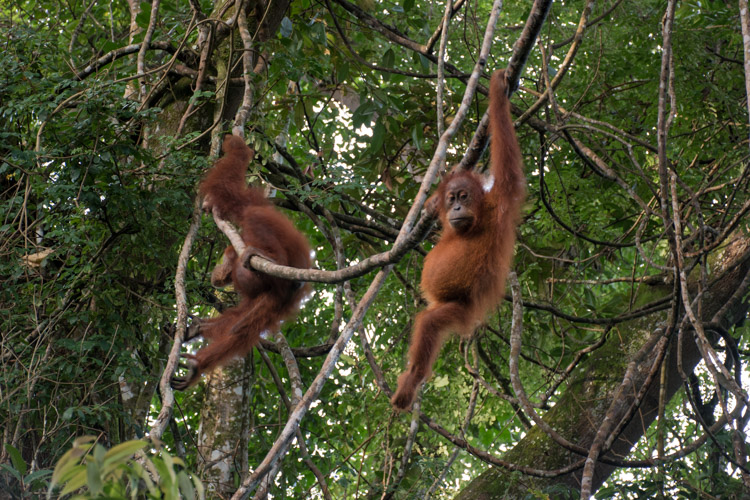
<point x="464" y="274"/>
<point x="265" y="301"/>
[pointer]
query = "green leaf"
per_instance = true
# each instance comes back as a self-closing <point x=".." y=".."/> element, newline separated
<point x="94" y="478"/>
<point x="122" y="452"/>
<point x="198" y="487"/>
<point x="68" y="413"/>
<point x="12" y="471"/>
<point x="342" y="71"/>
<point x="16" y="459"/>
<point x="37" y="475"/>
<point x="145" y="477"/>
<point x="169" y="462"/>
<point x="109" y="46"/>
<point x="70" y="458"/>
<point x="76" y="481"/>
<point x="388" y="58"/>
<point x="186" y="485"/>
<point x="99" y="453"/>
<point x="144" y="16"/>
<point x="426" y="63"/>
<point x="363" y="114"/>
<point x="378" y="137"/>
<point x="299" y="115"/>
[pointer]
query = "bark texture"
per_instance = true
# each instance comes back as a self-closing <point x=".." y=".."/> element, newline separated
<point x="582" y="408"/>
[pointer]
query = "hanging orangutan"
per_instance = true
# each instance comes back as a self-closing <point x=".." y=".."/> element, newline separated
<point x="464" y="274"/>
<point x="265" y="301"/>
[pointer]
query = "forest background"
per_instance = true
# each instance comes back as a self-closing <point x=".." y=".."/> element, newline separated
<point x="617" y="365"/>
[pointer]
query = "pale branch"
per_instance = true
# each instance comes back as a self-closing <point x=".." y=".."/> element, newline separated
<point x="295" y="378"/>
<point x="441" y="67"/>
<point x="673" y="229"/>
<point x="247" y="69"/>
<point x="267" y="480"/>
<point x="515" y="379"/>
<point x="408" y="446"/>
<point x="721" y="375"/>
<point x="438" y="158"/>
<point x="662" y="122"/>
<point x="297" y="386"/>
<point x="616" y="418"/>
<point x="165" y="389"/>
<point x="141" y="59"/>
<point x="275" y="454"/>
<point x="290" y="404"/>
<point x="258" y="263"/>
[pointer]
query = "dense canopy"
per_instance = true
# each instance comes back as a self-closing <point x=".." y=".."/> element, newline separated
<point x="616" y="366"/>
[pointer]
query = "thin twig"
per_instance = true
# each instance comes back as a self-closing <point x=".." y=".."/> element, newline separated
<point x="441" y="67"/>
<point x="567" y="62"/>
<point x="141" y="60"/>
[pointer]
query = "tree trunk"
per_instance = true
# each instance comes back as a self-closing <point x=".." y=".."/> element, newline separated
<point x="582" y="408"/>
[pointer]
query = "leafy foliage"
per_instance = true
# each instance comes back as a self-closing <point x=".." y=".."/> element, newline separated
<point x="94" y="472"/>
<point x="97" y="187"/>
